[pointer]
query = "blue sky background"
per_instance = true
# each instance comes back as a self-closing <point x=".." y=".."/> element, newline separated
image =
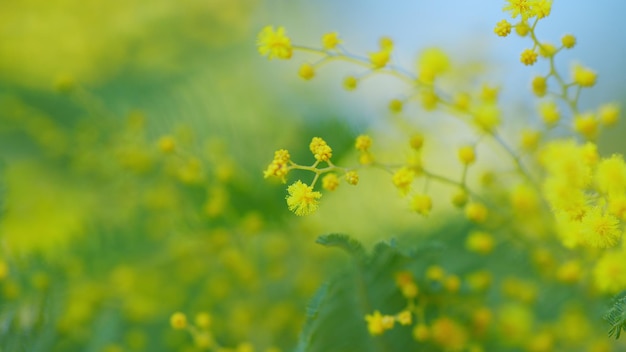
<point x="465" y="30"/>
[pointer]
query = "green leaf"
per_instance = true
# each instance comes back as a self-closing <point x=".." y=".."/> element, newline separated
<point x="344" y="242"/>
<point x="336" y="314"/>
<point x="616" y="317"/>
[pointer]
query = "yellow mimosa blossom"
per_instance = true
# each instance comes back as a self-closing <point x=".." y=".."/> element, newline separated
<point x="609" y="273"/>
<point x="609" y="114"/>
<point x="404" y="317"/>
<point x="274" y="43"/>
<point x="403" y="178"/>
<point x="568" y="41"/>
<point x="422" y="204"/>
<point x="600" y="229"/>
<point x="421" y="332"/>
<point x="330" y="40"/>
<point x="528" y="57"/>
<point x="476" y="212"/>
<point x="432" y="63"/>
<point x="352" y="177"/>
<point x="610" y="177"/>
<point x="363" y="143"/>
<point x="503" y="28"/>
<point x="549" y="112"/>
<point x="518" y="8"/>
<point x="321" y="151"/>
<point x="330" y="182"/>
<point x="378" y="323"/>
<point x="467" y="155"/>
<point x="587" y="125"/>
<point x="350" y="83"/>
<point x="178" y="321"/>
<point x="395" y="105"/>
<point x="479" y="242"/>
<point x="583" y="76"/>
<point x="540" y="86"/>
<point x="306" y="71"/>
<point x="279" y="167"/>
<point x="448" y="334"/>
<point x="302" y="200"/>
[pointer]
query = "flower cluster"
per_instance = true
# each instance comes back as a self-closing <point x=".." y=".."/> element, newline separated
<point x="553" y="188"/>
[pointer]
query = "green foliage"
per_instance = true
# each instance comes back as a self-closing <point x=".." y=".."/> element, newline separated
<point x="335" y="316"/>
<point x="616" y="317"/>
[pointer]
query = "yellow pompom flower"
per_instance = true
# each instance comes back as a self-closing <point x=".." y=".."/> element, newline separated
<point x="547" y="50"/>
<point x="167" y="144"/>
<point x="432" y="63"/>
<point x="600" y="229"/>
<point x="274" y="43"/>
<point x="421" y="332"/>
<point x="306" y="71"/>
<point x="479" y="242"/>
<point x="503" y="28"/>
<point x="302" y="200"/>
<point x="587" y="125"/>
<point x="487" y="117"/>
<point x="416" y="141"/>
<point x="476" y="212"/>
<point x="528" y="57"/>
<point x="435" y="273"/>
<point x="617" y="206"/>
<point x="385" y="43"/>
<point x="540" y="86"/>
<point x="363" y="143"/>
<point x="403" y="178"/>
<point x="452" y="283"/>
<point x="610" y="175"/>
<point x="515" y="322"/>
<point x="395" y="105"/>
<point x="321" y="151"/>
<point x="524" y="200"/>
<point x="609" y="114"/>
<point x="549" y="112"/>
<point x="569" y="272"/>
<point x="429" y="99"/>
<point x="380" y="59"/>
<point x="448" y="334"/>
<point x="378" y="323"/>
<point x="406" y="283"/>
<point x="404" y="317"/>
<point x="330" y="182"/>
<point x="203" y="320"/>
<point x="352" y="177"/>
<point x="609" y="273"/>
<point x="467" y="155"/>
<point x="583" y="76"/>
<point x="330" y="40"/>
<point x="350" y="83"/>
<point x="422" y="204"/>
<point x="518" y="8"/>
<point x="460" y="198"/>
<point x="462" y="101"/>
<point x="279" y="166"/>
<point x="541" y="8"/>
<point x="522" y="29"/>
<point x="568" y="41"/>
<point x="530" y="139"/>
<point x="178" y="321"/>
<point x="489" y="93"/>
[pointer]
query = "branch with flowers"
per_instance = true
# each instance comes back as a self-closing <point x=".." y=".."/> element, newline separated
<point x="559" y="184"/>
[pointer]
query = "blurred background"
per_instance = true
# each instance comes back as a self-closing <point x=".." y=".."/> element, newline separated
<point x="104" y="233"/>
